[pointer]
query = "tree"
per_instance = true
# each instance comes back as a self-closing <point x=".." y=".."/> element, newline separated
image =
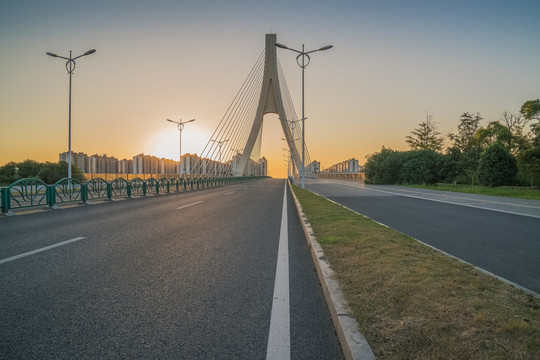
<point x="48" y="172"/>
<point x="468" y="125"/>
<point x="420" y="167"/>
<point x="495" y="132"/>
<point x="9" y="173"/>
<point x="29" y="168"/>
<point x="52" y="172"/>
<point x="383" y="167"/>
<point x="497" y="166"/>
<point x="529" y="166"/>
<point x="426" y="136"/>
<point x="516" y="124"/>
<point x="531" y="109"/>
<point x="466" y="149"/>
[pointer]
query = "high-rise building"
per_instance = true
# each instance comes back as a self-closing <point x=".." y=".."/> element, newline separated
<point x="263" y="167"/>
<point x="125" y="166"/>
<point x="314" y="167"/>
<point x="102" y="164"/>
<point x="148" y="164"/>
<point x="78" y="159"/>
<point x="189" y="161"/>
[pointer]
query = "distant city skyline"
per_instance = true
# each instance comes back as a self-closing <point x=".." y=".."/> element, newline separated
<point x="392" y="62"/>
<point x="191" y="164"/>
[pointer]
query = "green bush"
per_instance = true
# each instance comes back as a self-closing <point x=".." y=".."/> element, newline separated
<point x="47" y="172"/>
<point x="383" y="167"/>
<point x="420" y="167"/>
<point x="408" y="167"/>
<point x="497" y="167"/>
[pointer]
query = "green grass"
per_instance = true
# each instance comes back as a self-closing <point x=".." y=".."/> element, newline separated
<point x="413" y="302"/>
<point x="506" y="191"/>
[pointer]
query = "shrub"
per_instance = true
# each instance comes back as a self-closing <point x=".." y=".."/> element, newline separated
<point x="497" y="167"/>
<point x="383" y="167"/>
<point x="420" y="167"/>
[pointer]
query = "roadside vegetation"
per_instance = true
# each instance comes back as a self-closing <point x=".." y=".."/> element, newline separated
<point x="505" y="152"/>
<point x="47" y="172"/>
<point x="413" y="302"/>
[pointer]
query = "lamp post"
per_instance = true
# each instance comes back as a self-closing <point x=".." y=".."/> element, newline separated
<point x="220" y="144"/>
<point x="70" y="67"/>
<point x="292" y="158"/>
<point x="303" y="54"/>
<point x="180" y="125"/>
<point x="289" y="161"/>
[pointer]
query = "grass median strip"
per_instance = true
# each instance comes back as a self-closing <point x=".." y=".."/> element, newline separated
<point x="413" y="302"/>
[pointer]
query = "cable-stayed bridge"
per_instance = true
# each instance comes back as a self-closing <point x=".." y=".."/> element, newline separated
<point x="234" y="149"/>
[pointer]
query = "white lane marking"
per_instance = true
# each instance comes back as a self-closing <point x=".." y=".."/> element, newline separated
<point x="188" y="205"/>
<point x="398" y="193"/>
<point x="279" y="338"/>
<point x="3" y="261"/>
<point x="229" y="193"/>
<point x="247" y="187"/>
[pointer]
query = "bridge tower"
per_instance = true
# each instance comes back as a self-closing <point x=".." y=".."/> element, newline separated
<point x="270" y="102"/>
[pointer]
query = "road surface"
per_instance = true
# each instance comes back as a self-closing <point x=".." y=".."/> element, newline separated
<point x="175" y="276"/>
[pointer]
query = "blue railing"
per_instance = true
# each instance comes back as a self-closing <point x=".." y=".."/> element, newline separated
<point x="25" y="193"/>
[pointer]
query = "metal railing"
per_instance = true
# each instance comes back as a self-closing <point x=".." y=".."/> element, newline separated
<point x="30" y="192"/>
<point x="357" y="176"/>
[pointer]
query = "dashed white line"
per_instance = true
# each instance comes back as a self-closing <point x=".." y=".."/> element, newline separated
<point x="6" y="260"/>
<point x="188" y="205"/>
<point x="229" y="193"/>
<point x="279" y="338"/>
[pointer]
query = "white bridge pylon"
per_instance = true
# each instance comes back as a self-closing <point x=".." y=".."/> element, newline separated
<point x="270" y="102"/>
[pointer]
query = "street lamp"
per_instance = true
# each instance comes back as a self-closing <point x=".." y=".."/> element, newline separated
<point x="180" y="125"/>
<point x="303" y="54"/>
<point x="70" y="66"/>
<point x="220" y="144"/>
<point x="289" y="160"/>
<point x="292" y="158"/>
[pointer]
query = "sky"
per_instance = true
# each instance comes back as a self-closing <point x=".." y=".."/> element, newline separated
<point x="392" y="63"/>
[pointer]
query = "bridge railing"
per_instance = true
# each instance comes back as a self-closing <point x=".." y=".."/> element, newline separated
<point x="31" y="192"/>
<point x="357" y="176"/>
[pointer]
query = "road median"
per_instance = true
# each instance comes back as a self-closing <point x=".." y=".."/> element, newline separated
<point x="411" y="301"/>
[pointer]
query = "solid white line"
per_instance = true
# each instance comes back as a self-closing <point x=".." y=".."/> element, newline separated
<point x="229" y="193"/>
<point x="3" y="261"/>
<point x="453" y="202"/>
<point x="185" y="206"/>
<point x="279" y="339"/>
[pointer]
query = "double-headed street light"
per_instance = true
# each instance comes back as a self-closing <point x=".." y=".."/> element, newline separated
<point x="289" y="160"/>
<point x="303" y="54"/>
<point x="220" y="144"/>
<point x="180" y="125"/>
<point x="70" y="67"/>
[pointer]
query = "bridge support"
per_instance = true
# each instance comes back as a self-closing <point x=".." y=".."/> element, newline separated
<point x="270" y="102"/>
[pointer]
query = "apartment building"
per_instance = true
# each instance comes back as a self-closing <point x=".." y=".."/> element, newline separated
<point x="78" y="159"/>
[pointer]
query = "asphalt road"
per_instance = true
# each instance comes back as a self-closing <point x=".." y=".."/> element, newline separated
<point x="501" y="236"/>
<point x="177" y="276"/>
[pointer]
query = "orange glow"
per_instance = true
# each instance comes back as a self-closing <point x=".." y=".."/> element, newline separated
<point x="388" y="66"/>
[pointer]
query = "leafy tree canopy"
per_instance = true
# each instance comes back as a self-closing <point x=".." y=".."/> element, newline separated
<point x="531" y="109"/>
<point x="426" y="136"/>
<point x="47" y="172"/>
<point x="497" y="166"/>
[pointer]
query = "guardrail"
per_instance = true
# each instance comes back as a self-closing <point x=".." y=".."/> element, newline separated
<point x="30" y="192"/>
<point x="357" y="176"/>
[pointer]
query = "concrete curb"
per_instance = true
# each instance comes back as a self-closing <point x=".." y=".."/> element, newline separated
<point x="353" y="344"/>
